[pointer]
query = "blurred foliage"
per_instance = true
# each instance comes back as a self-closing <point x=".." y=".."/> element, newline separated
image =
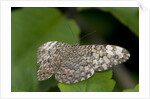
<point x="136" y="89"/>
<point x="16" y="90"/>
<point x="129" y="16"/>
<point x="99" y="82"/>
<point x="31" y="27"/>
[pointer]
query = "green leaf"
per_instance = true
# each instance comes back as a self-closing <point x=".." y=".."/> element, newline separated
<point x="136" y="89"/>
<point x="129" y="16"/>
<point x="31" y="27"/>
<point x="99" y="82"/>
<point x="16" y="90"/>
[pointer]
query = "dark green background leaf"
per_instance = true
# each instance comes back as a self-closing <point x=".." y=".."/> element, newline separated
<point x="99" y="82"/>
<point x="129" y="16"/>
<point x="31" y="27"/>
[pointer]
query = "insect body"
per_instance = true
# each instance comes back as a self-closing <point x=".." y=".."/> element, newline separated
<point x="74" y="63"/>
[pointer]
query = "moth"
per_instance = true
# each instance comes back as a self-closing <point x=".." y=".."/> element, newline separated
<point x="74" y="63"/>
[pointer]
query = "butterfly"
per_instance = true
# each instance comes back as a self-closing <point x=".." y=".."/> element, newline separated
<point x="74" y="63"/>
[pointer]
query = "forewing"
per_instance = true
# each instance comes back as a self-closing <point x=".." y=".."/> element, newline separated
<point x="73" y="71"/>
<point x="104" y="56"/>
<point x="49" y="58"/>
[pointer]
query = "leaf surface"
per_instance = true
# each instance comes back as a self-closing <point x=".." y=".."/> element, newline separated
<point x="99" y="82"/>
<point x="136" y="89"/>
<point x="129" y="16"/>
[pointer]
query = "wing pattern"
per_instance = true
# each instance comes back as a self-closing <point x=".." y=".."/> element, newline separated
<point x="75" y="70"/>
<point x="49" y="58"/>
<point x="104" y="56"/>
<point x="72" y="64"/>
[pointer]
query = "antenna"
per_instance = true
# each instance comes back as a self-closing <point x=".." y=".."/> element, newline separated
<point x="87" y="34"/>
<point x="81" y="37"/>
<point x="71" y="30"/>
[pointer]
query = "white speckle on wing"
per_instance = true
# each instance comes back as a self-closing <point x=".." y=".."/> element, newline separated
<point x="51" y="45"/>
<point x="106" y="59"/>
<point x="109" y="47"/>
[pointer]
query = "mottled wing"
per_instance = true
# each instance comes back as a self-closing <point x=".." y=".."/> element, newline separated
<point x="104" y="56"/>
<point x="75" y="70"/>
<point x="49" y="58"/>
